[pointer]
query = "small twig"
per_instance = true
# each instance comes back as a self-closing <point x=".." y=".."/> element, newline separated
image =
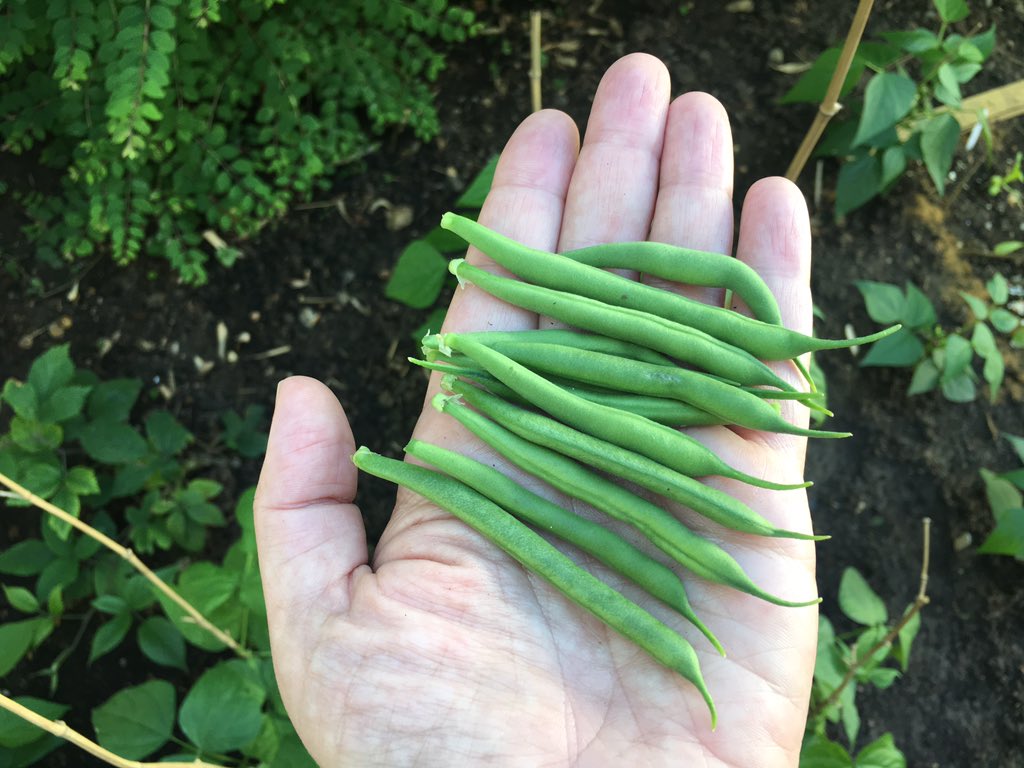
<point x="62" y="730"/>
<point x="830" y="104"/>
<point x="126" y="554"/>
<point x="535" y="69"/>
<point x="920" y="602"/>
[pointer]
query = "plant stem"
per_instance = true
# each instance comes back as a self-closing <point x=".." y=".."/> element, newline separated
<point x="535" y="70"/>
<point x="830" y="104"/>
<point x="127" y="554"/>
<point x="920" y="602"/>
<point x="61" y="730"/>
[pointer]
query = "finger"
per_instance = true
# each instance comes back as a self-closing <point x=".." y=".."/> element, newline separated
<point x="611" y="196"/>
<point x="525" y="203"/>
<point x="309" y="534"/>
<point x="775" y="239"/>
<point x="694" y="205"/>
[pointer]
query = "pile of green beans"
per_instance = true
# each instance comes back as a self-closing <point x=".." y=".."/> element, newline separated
<point x="605" y="400"/>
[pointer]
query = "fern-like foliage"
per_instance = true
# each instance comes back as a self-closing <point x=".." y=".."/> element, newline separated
<point x="175" y="119"/>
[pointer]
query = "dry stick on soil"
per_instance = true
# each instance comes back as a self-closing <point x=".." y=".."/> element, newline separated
<point x="830" y="104"/>
<point x="61" y="730"/>
<point x="126" y="554"/>
<point x="920" y="602"/>
<point x="535" y="59"/>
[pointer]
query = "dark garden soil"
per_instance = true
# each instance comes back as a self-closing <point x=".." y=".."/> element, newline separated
<point x="309" y="296"/>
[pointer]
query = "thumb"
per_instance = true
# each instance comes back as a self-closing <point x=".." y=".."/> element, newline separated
<point x="309" y="534"/>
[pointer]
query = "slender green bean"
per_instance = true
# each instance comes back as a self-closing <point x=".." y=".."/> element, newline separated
<point x="590" y="537"/>
<point x="701" y="556"/>
<point x="709" y="502"/>
<point x="537" y="555"/>
<point x="681" y="342"/>
<point x="766" y="341"/>
<point x="733" y="404"/>
<point x="689" y="267"/>
<point x="664" y="444"/>
<point x="673" y="413"/>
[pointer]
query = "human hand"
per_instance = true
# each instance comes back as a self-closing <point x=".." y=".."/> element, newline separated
<point x="444" y="650"/>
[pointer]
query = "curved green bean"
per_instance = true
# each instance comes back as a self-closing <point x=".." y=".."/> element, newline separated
<point x="709" y="502"/>
<point x="733" y="404"/>
<point x="766" y="341"/>
<point x="700" y="556"/>
<point x="679" y="341"/>
<point x="590" y="537"/>
<point x="537" y="555"/>
<point x="664" y="444"/>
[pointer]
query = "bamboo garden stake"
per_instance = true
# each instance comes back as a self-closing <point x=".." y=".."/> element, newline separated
<point x="535" y="60"/>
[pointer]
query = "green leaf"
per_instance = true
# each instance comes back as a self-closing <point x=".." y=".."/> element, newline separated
<point x="894" y="163"/>
<point x="22" y="398"/>
<point x="887" y="99"/>
<point x="819" y="752"/>
<point x="983" y="341"/>
<point x="135" y="722"/>
<point x="939" y="139"/>
<point x="1017" y="443"/>
<point x="914" y="40"/>
<point x="418" y="276"/>
<point x="883" y="677"/>
<point x="813" y="84"/>
<point x="998" y="289"/>
<point x="859" y="181"/>
<point x="64" y="404"/>
<point x="905" y="638"/>
<point x="959" y="354"/>
<point x="82" y="481"/>
<point x="881" y="753"/>
<point x="223" y="711"/>
<point x="859" y="602"/>
<point x="951" y="11"/>
<point x="902" y="349"/>
<point x="948" y="89"/>
<point x="885" y="302"/>
<point x="1007" y="247"/>
<point x="15" y="732"/>
<point x="1001" y="494"/>
<point x="166" y="433"/>
<point x="16" y="638"/>
<point x="113" y="400"/>
<point x="925" y="378"/>
<point x="1004" y="320"/>
<point x="1006" y="539"/>
<point x="978" y="307"/>
<point x="161" y="17"/>
<point x="109" y="636"/>
<point x="244" y="516"/>
<point x="25" y="558"/>
<point x="112" y="442"/>
<point x="162" y="643"/>
<point x="36" y="436"/>
<point x="960" y="389"/>
<point x="478" y="188"/>
<point x="112" y="604"/>
<point x="849" y="715"/>
<point x="42" y="478"/>
<point x="21" y="599"/>
<point x="993" y="371"/>
<point x="51" y="371"/>
<point x="919" y="311"/>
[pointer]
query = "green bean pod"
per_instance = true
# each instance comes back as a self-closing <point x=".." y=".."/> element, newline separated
<point x="657" y="441"/>
<point x="698" y="555"/>
<point x="709" y="502"/>
<point x="537" y="555"/>
<point x="766" y="341"/>
<point x="590" y="537"/>
<point x="676" y="264"/>
<point x="687" y="344"/>
<point x="733" y="404"/>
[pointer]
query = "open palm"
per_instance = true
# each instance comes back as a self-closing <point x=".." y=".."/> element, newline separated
<point x="444" y="651"/>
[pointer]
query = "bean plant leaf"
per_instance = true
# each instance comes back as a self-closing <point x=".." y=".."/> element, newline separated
<point x="162" y="643"/>
<point x="16" y="638"/>
<point x="881" y="753"/>
<point x="919" y="311"/>
<point x="820" y="752"/>
<point x="859" y="181"/>
<point x="906" y="637"/>
<point x="951" y="11"/>
<point x="960" y="389"/>
<point x="136" y="722"/>
<point x="888" y="98"/>
<point x="112" y="400"/>
<point x="111" y="442"/>
<point x="983" y="341"/>
<point x="1008" y="536"/>
<point x="22" y="398"/>
<point x="109" y="636"/>
<point x="64" y="404"/>
<point x="925" y="378"/>
<point x="959" y="354"/>
<point x="1004" y="321"/>
<point x="978" y="307"/>
<point x="166" y="434"/>
<point x="913" y="40"/>
<point x="1017" y="443"/>
<point x="21" y="599"/>
<point x="50" y="371"/>
<point x="25" y="558"/>
<point x="948" y="88"/>
<point x="418" y="276"/>
<point x="885" y="302"/>
<point x="894" y="163"/>
<point x="813" y="84"/>
<point x="902" y="349"/>
<point x="1007" y="247"/>
<point x="223" y="710"/>
<point x="15" y="732"/>
<point x="848" y="714"/>
<point x="859" y="602"/>
<point x="478" y="188"/>
<point x="993" y="372"/>
<point x="998" y="289"/>
<point x="939" y="139"/>
<point x="1001" y="494"/>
